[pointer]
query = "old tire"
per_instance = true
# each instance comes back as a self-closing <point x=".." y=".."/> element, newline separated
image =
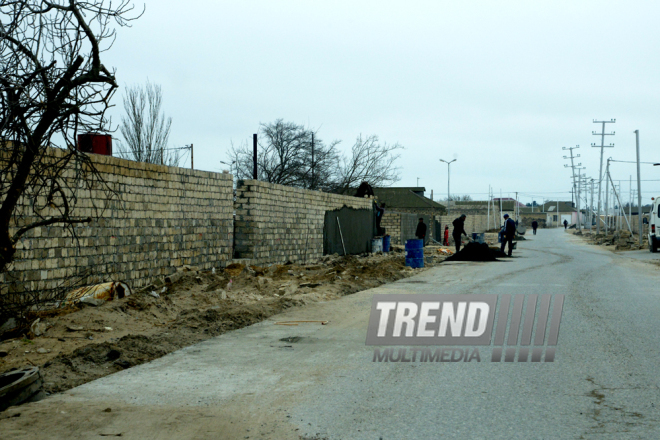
<point x="19" y="386"/>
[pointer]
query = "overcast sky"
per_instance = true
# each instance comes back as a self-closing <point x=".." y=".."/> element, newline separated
<point x="501" y="86"/>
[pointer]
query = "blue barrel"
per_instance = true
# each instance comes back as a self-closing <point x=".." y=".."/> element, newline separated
<point x="386" y="243"/>
<point x="415" y="253"/>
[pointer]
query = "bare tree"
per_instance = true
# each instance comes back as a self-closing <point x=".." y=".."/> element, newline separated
<point x="144" y="128"/>
<point x="53" y="86"/>
<point x="370" y="161"/>
<point x="458" y="198"/>
<point x="287" y="156"/>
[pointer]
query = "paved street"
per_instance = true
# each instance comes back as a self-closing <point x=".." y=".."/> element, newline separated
<point x="251" y="384"/>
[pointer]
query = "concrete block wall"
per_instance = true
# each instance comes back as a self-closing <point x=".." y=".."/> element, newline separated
<point x="277" y="223"/>
<point x="473" y="223"/>
<point x="164" y="217"/>
<point x="400" y="226"/>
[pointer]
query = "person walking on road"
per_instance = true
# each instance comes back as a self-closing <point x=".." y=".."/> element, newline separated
<point x="509" y="233"/>
<point x="420" y="233"/>
<point x="459" y="228"/>
<point x="446" y="240"/>
<point x="535" y="226"/>
<point x="565" y="224"/>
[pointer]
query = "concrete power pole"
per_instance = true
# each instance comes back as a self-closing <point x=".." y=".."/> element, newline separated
<point x="602" y="146"/>
<point x="607" y="194"/>
<point x="572" y="166"/>
<point x="591" y="206"/>
<point x="578" y="198"/>
<point x="639" y="191"/>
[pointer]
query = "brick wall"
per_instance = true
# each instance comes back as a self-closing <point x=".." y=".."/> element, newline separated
<point x="473" y="223"/>
<point x="400" y="226"/>
<point x="165" y="217"/>
<point x="276" y="223"/>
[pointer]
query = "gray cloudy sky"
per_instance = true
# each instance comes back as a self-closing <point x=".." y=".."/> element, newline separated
<point x="501" y="86"/>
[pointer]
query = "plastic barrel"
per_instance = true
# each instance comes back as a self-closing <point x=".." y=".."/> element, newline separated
<point x="386" y="243"/>
<point x="377" y="245"/>
<point x="415" y="253"/>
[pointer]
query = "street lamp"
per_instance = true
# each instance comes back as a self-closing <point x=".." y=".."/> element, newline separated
<point x="448" y="193"/>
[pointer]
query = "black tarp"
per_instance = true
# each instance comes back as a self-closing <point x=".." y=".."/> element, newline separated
<point x="357" y="227"/>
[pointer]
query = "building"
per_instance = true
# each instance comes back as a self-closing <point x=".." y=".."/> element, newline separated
<point x="410" y="200"/>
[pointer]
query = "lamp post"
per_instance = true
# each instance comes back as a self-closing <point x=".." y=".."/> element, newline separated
<point x="448" y="181"/>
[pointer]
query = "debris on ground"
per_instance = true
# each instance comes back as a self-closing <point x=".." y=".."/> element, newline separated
<point x="620" y="240"/>
<point x="20" y="386"/>
<point x="474" y="252"/>
<point x="77" y="343"/>
<point x="94" y="295"/>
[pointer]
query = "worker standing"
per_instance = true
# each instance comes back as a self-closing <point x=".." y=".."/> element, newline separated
<point x="380" y="212"/>
<point x="509" y="233"/>
<point x="446" y="240"/>
<point x="420" y="233"/>
<point x="535" y="226"/>
<point x="565" y="224"/>
<point x="459" y="228"/>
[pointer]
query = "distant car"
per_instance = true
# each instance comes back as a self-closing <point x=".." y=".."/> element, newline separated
<point x="654" y="225"/>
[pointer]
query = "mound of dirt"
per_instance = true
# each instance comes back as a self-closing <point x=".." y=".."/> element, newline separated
<point x="474" y="252"/>
<point x="82" y="343"/>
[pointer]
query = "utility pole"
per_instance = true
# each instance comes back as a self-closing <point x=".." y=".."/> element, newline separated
<point x="578" y="196"/>
<point x="639" y="190"/>
<point x="577" y="199"/>
<point x="631" y="198"/>
<point x="312" y="185"/>
<point x="602" y="146"/>
<point x="448" y="181"/>
<point x="591" y="206"/>
<point x="572" y="157"/>
<point x="254" y="156"/>
<point x="192" y="167"/>
<point x="607" y="194"/>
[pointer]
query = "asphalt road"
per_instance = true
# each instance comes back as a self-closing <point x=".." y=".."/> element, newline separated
<point x="252" y="384"/>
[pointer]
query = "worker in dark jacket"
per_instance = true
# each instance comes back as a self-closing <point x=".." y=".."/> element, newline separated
<point x="420" y="233"/>
<point x="459" y="229"/>
<point x="380" y="212"/>
<point x="509" y="233"/>
<point x="535" y="226"/>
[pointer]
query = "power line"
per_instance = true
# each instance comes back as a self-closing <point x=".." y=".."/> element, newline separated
<point x="632" y="161"/>
<point x="602" y="145"/>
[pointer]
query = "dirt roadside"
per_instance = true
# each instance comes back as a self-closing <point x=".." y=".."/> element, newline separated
<point x="83" y="343"/>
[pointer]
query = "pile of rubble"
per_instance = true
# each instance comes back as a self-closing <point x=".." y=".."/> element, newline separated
<point x="621" y="240"/>
<point x="83" y="341"/>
